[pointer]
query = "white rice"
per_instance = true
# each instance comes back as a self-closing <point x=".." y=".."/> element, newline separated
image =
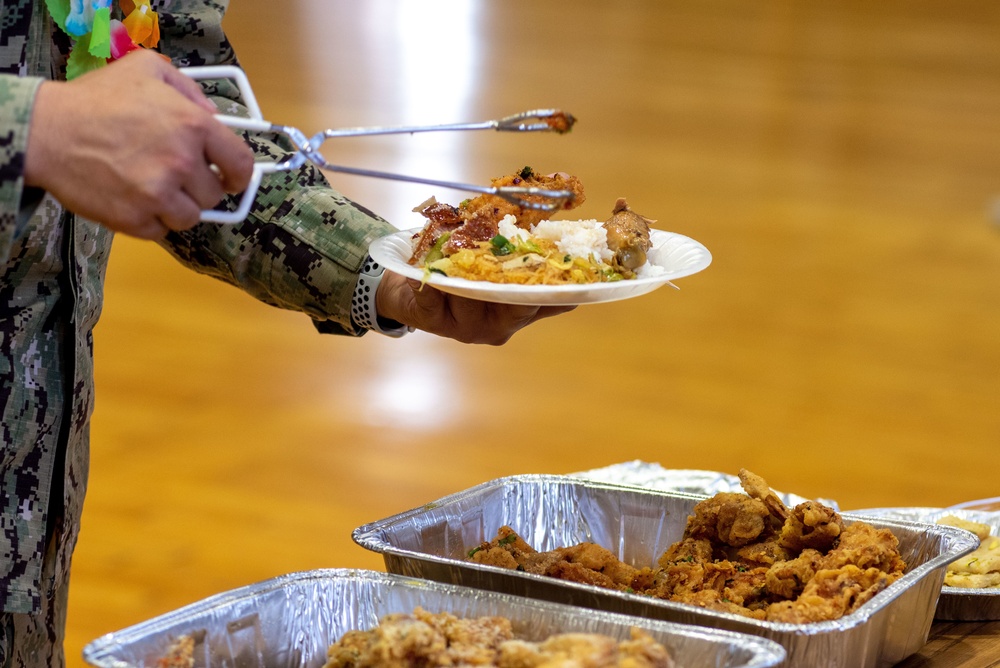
<point x="576" y="238"/>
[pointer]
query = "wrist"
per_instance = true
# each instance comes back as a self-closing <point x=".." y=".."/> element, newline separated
<point x="40" y="127"/>
<point x="364" y="305"/>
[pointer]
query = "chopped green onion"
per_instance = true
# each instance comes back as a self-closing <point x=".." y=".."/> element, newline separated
<point x="502" y="245"/>
<point x="436" y="252"/>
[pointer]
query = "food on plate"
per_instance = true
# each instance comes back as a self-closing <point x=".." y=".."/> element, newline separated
<point x="746" y="554"/>
<point x="425" y="639"/>
<point x="628" y="238"/>
<point x="487" y="238"/>
<point x="979" y="569"/>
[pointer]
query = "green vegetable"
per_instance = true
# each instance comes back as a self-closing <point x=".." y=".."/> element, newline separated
<point x="528" y="246"/>
<point x="507" y="540"/>
<point x="526" y="173"/>
<point x="502" y="245"/>
<point x="435" y="253"/>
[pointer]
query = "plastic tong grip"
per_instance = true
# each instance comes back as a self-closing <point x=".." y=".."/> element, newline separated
<point x="255" y="123"/>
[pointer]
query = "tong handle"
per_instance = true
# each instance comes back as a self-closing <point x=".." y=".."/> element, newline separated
<point x="255" y="123"/>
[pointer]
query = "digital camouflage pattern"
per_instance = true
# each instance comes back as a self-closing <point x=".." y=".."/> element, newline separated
<point x="301" y="248"/>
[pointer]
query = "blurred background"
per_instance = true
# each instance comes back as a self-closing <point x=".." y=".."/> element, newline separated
<point x="840" y="160"/>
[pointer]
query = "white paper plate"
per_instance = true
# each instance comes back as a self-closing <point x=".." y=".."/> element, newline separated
<point x="679" y="255"/>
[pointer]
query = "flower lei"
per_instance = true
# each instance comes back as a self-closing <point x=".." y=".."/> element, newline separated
<point x="99" y="38"/>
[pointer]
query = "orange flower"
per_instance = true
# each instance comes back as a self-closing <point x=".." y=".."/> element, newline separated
<point x="141" y="22"/>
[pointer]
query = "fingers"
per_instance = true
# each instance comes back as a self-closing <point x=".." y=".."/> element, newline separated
<point x="186" y="86"/>
<point x="181" y="211"/>
<point x="233" y="159"/>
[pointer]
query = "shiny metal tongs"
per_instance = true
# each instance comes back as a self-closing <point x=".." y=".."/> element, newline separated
<point x="543" y="120"/>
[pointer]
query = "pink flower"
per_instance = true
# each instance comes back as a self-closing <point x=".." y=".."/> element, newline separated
<point x="121" y="43"/>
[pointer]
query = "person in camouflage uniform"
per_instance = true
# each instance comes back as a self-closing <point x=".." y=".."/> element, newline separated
<point x="302" y="247"/>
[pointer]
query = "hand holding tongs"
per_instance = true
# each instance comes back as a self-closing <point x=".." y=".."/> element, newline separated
<point x="308" y="148"/>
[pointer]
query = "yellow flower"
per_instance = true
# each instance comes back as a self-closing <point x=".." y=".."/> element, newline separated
<point x="141" y="22"/>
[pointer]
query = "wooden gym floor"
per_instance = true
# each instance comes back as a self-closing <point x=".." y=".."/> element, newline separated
<point x="840" y="161"/>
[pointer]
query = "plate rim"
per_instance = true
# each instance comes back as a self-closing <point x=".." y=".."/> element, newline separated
<point x="380" y="250"/>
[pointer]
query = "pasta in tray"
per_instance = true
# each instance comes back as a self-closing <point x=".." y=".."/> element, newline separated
<point x="979" y="569"/>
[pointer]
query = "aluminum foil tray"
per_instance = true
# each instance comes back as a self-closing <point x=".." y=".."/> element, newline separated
<point x="290" y="621"/>
<point x="955" y="603"/>
<point x="649" y="475"/>
<point x="639" y="525"/>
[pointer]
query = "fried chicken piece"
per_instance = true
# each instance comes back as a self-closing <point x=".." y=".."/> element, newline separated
<point x="831" y="594"/>
<point x="683" y="580"/>
<point x="492" y="207"/>
<point x="757" y="488"/>
<point x="864" y="546"/>
<point x="786" y="579"/>
<point x="811" y="525"/>
<point x="729" y="517"/>
<point x="628" y="238"/>
<point x="691" y="550"/>
<point x="506" y="550"/>
<point x="711" y="599"/>
<point x="595" y="558"/>
<point x="560" y="122"/>
<point x="747" y="586"/>
<point x="733" y="584"/>
<point x="764" y="553"/>
<point x="588" y="563"/>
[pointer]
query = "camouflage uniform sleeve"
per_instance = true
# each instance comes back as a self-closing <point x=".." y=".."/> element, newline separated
<point x="17" y="96"/>
<point x="303" y="244"/>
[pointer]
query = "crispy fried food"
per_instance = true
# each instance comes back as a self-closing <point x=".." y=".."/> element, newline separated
<point x="786" y="579"/>
<point x="587" y="563"/>
<point x="730" y="518"/>
<point x="426" y="640"/>
<point x="757" y="488"/>
<point x="477" y="220"/>
<point x="628" y="238"/>
<point x="737" y="556"/>
<point x="811" y="525"/>
<point x="864" y="546"/>
<point x="764" y="553"/>
<point x="831" y="594"/>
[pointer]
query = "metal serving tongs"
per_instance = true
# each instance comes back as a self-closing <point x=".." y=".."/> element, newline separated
<point x="551" y="120"/>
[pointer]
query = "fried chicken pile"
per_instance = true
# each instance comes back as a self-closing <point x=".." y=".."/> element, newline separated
<point x="746" y="554"/>
<point x="424" y="640"/>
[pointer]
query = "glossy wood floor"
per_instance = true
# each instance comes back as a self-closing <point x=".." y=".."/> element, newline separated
<point x="840" y="160"/>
